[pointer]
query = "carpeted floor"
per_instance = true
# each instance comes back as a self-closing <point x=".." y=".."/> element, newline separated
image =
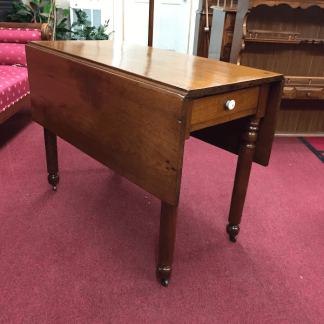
<point x="315" y="144"/>
<point x="87" y="253"/>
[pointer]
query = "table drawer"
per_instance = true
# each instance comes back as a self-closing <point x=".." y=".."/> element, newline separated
<point x="208" y="109"/>
<point x="309" y="93"/>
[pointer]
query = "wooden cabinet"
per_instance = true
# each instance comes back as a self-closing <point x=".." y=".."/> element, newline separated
<point x="229" y="7"/>
<point x="280" y="36"/>
<point x="288" y="37"/>
<point x="228" y="33"/>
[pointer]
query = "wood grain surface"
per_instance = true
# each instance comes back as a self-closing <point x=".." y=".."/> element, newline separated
<point x="303" y="61"/>
<point x="190" y="76"/>
<point x="206" y="110"/>
<point x="135" y="129"/>
<point x="131" y="108"/>
<point x="292" y="3"/>
<point x="227" y="135"/>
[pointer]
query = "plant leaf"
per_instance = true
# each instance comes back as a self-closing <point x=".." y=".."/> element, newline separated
<point x="33" y="5"/>
<point x="47" y="8"/>
<point x="60" y="22"/>
<point x="43" y="4"/>
<point x="24" y="12"/>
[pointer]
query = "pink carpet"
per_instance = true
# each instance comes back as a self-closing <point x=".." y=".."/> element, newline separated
<point x="316" y="145"/>
<point x="87" y="253"/>
<point x="316" y="142"/>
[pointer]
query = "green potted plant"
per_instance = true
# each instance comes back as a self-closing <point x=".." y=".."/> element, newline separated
<point x="45" y="11"/>
<point x="84" y="31"/>
<point x="34" y="11"/>
<point x="42" y="11"/>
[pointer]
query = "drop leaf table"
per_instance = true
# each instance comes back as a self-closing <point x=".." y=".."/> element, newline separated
<point x="132" y="108"/>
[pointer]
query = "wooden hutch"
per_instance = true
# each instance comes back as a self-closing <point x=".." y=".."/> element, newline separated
<point x="285" y="37"/>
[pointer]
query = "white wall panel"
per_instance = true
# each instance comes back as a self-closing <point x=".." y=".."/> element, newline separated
<point x="174" y="21"/>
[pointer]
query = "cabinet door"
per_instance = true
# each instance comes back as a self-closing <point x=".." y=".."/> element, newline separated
<point x="135" y="22"/>
<point x="171" y="23"/>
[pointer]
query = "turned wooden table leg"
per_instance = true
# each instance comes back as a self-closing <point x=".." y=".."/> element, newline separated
<point x="168" y="225"/>
<point x="242" y="176"/>
<point x="51" y="157"/>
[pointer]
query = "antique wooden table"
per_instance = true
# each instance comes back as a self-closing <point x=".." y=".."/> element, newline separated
<point x="132" y="107"/>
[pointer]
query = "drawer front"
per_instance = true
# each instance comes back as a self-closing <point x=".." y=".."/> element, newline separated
<point x="289" y="93"/>
<point x="208" y="109"/>
<point x="309" y="93"/>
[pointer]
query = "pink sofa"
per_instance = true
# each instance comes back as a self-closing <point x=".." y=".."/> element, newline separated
<point x="14" y="86"/>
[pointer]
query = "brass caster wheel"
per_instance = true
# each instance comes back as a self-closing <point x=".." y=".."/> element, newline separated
<point x="233" y="238"/>
<point x="232" y="230"/>
<point x="53" y="180"/>
<point x="164" y="282"/>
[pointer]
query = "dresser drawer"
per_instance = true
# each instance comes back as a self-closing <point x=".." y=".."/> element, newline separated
<point x="309" y="93"/>
<point x="289" y="93"/>
<point x="207" y="111"/>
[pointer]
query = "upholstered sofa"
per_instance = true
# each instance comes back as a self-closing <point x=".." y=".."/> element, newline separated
<point x="14" y="86"/>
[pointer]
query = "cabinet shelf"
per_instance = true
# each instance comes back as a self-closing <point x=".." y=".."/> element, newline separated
<point x="304" y="80"/>
<point x="272" y="40"/>
<point x="255" y="32"/>
<point x="303" y="88"/>
<point x="286" y="41"/>
<point x="287" y="37"/>
<point x="274" y="36"/>
<point x="312" y="41"/>
<point x="304" y="4"/>
<point x="294" y="92"/>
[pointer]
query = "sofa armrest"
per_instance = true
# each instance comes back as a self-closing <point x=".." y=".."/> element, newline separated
<point x="8" y="103"/>
<point x="45" y="29"/>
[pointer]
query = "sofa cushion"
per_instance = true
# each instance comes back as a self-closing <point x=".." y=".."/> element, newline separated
<point x="13" y="85"/>
<point x="19" y="35"/>
<point x="11" y="54"/>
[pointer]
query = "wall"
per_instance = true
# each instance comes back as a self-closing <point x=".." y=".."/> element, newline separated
<point x="5" y="8"/>
<point x="63" y="4"/>
<point x="125" y="14"/>
<point x="123" y="19"/>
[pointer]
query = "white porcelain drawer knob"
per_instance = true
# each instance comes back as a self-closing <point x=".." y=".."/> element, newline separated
<point x="230" y="104"/>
